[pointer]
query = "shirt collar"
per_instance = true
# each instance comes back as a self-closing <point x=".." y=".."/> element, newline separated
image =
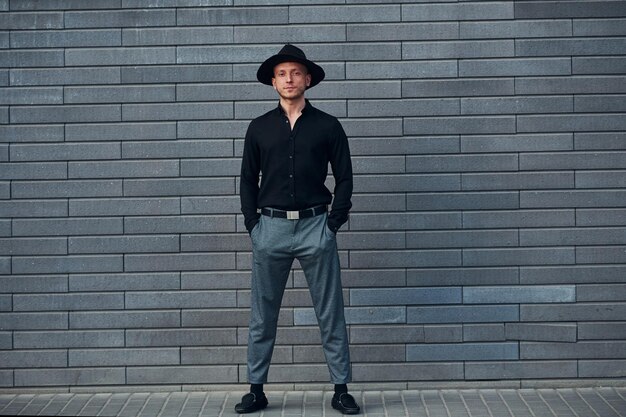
<point x="307" y="106"/>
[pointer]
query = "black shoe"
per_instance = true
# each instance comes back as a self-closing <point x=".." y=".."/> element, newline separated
<point x="345" y="403"/>
<point x="251" y="403"/>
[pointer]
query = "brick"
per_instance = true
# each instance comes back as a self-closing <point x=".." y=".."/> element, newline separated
<point x="34" y="358"/>
<point x="405" y="296"/>
<point x="517" y="181"/>
<point x="571" y="85"/>
<point x="182" y="262"/>
<point x="232" y="16"/>
<point x="517" y="105"/>
<point x="123" y="244"/>
<point x="462" y="276"/>
<point x="344" y="14"/>
<point x="598" y="27"/>
<point x="355" y="315"/>
<point x="296" y="34"/>
<point x="462" y="314"/>
<point x="598" y="65"/>
<point x="349" y="240"/>
<point x="573" y="160"/>
<point x="179" y="224"/>
<point x="573" y="237"/>
<point x="601" y="217"/>
<point x="598" y="103"/>
<point x="33" y="283"/>
<point x="6" y="303"/>
<point x="67" y="227"/>
<point x="568" y="47"/>
<point x="19" y="170"/>
<point x="463" y="201"/>
<point x="120" y="132"/>
<point x="177" y="36"/>
<point x="408" y="372"/>
<point x="122" y="94"/>
<point x="407" y="183"/>
<point x="222" y="54"/>
<point x="601" y="254"/>
<point x="179" y="187"/>
<point x="215" y="243"/>
<point x="33" y="208"/>
<point x="515" y="67"/>
<point x="33" y="246"/>
<point x="519" y="294"/>
<point x="33" y="321"/>
<point x="457" y="49"/>
<point x="212" y="129"/>
<point x="404" y="258"/>
<point x="457" y="87"/>
<point x="518" y="256"/>
<point x="66" y="38"/>
<point x="573" y="274"/>
<point x="75" y="376"/>
<point x="57" y="189"/>
<point x="123" y="319"/>
<point x="462" y="239"/>
<point x="218" y="317"/>
<point x="4" y="115"/>
<point x="556" y="9"/>
<point x="458" y="125"/>
<point x="178" y="149"/>
<point x="404" y="145"/>
<point x="210" y="205"/>
<point x="461" y="163"/>
<point x="176" y="74"/>
<point x="120" y="18"/>
<point x="6" y="340"/>
<point x="4" y="43"/>
<point x="362" y="278"/>
<point x="443" y="334"/>
<point x="373" y="127"/>
<point x="124" y="282"/>
<point x="360" y="354"/>
<point x="5" y="265"/>
<point x="600" y="141"/>
<point x="32" y="58"/>
<point x="483" y="332"/>
<point x="180" y="337"/>
<point x="602" y="331"/>
<point x="64" y="151"/>
<point x="26" y="20"/>
<point x="61" y="5"/>
<point x="542" y="332"/>
<point x="66" y="264"/>
<point x="120" y="56"/>
<point x="457" y="11"/>
<point x="601" y="368"/>
<point x="401" y="31"/>
<point x="386" y="334"/>
<point x="124" y="206"/>
<point x="220" y="91"/>
<point x="462" y="351"/>
<point x="569" y="199"/>
<point x="579" y="350"/>
<point x="517" y="143"/>
<point x="518" y="218"/>
<point x="31" y="133"/>
<point x="19" y="96"/>
<point x="520" y="370"/>
<point x="84" y="301"/>
<point x="68" y="339"/>
<point x="210" y="167"/>
<point x="404" y="107"/>
<point x="228" y="355"/>
<point x="179" y="111"/>
<point x="179" y="299"/>
<point x="515" y="29"/>
<point x="123" y="169"/>
<point x="573" y="312"/>
<point x="66" y="114"/>
<point x="122" y="357"/>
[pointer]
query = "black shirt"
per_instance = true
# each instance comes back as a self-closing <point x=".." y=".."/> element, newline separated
<point x="294" y="165"/>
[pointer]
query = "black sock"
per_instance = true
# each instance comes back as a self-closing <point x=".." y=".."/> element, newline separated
<point x="341" y="388"/>
<point x="256" y="389"/>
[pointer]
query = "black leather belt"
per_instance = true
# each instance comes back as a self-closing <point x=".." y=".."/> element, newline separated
<point x="294" y="215"/>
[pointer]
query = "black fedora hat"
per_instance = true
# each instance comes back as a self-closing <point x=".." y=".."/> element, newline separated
<point x="289" y="53"/>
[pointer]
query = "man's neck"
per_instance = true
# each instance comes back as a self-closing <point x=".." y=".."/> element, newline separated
<point x="292" y="108"/>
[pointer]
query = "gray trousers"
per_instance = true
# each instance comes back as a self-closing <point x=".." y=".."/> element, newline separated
<point x="276" y="242"/>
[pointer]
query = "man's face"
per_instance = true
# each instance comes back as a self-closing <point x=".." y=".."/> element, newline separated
<point x="290" y="80"/>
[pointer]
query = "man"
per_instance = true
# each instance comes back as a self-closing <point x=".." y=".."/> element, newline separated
<point x="287" y="218"/>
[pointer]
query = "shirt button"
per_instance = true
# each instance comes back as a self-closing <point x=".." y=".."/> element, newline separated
<point x="290" y="176"/>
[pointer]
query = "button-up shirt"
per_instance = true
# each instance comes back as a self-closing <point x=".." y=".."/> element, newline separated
<point x="293" y="165"/>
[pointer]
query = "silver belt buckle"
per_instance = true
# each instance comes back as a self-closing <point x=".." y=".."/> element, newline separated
<point x="293" y="215"/>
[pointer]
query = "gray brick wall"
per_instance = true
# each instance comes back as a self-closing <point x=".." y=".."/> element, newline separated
<point x="486" y="247"/>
